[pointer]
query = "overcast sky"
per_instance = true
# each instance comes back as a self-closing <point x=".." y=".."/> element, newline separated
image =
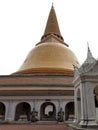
<point x="22" y="23"/>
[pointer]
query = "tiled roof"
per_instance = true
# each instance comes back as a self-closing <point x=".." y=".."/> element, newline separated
<point x="33" y="127"/>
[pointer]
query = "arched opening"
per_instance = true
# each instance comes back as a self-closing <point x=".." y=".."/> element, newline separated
<point x="48" y="111"/>
<point x="2" y="111"/>
<point x="78" y="109"/>
<point x="96" y="101"/>
<point x="23" y="111"/>
<point x="69" y="111"/>
<point x="96" y="96"/>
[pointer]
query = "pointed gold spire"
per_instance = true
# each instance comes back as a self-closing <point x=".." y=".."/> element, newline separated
<point x="52" y="27"/>
<point x="52" y="4"/>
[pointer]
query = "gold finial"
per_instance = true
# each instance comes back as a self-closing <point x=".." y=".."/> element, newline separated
<point x="52" y="27"/>
<point x="52" y="5"/>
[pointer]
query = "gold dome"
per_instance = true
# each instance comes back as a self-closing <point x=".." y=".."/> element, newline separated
<point x="51" y="54"/>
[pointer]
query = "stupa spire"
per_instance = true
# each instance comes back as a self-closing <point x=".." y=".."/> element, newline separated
<point x="88" y="63"/>
<point x="90" y="58"/>
<point x="52" y="27"/>
<point x="52" y="4"/>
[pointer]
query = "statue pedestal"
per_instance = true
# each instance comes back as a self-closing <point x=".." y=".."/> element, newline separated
<point x="1" y="117"/>
<point x="23" y="118"/>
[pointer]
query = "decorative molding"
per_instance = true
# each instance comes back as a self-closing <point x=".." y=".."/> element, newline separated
<point x="35" y="76"/>
<point x="39" y="85"/>
<point x="71" y="93"/>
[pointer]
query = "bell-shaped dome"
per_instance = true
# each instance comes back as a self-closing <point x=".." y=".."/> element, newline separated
<point x="51" y="54"/>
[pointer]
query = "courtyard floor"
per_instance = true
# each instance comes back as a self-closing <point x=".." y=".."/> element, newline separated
<point x="33" y="127"/>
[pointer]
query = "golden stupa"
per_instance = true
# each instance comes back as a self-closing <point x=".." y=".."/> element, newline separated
<point x="51" y="54"/>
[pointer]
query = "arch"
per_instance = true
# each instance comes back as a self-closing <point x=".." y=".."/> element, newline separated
<point x="48" y="112"/>
<point x="96" y="96"/>
<point x="69" y="111"/>
<point x="96" y="101"/>
<point x="2" y="111"/>
<point x="23" y="111"/>
<point x="78" y="100"/>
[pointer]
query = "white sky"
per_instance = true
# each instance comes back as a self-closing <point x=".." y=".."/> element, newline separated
<point x="22" y="23"/>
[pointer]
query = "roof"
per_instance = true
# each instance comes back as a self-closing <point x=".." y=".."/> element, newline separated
<point x="51" y="54"/>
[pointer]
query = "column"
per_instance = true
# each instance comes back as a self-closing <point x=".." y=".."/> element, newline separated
<point x="90" y="105"/>
<point x="10" y="111"/>
<point x="75" y="102"/>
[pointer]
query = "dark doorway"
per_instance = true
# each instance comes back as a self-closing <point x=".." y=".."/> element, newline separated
<point x="48" y="112"/>
<point x="23" y="109"/>
<point x="2" y="111"/>
<point x="96" y="96"/>
<point x="69" y="111"/>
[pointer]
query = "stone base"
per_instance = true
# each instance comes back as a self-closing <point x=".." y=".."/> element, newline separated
<point x="88" y="123"/>
<point x="76" y="127"/>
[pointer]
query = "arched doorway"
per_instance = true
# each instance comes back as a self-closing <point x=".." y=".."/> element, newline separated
<point x="69" y="111"/>
<point x="22" y="111"/>
<point x="78" y="109"/>
<point x="2" y="111"/>
<point x="96" y="101"/>
<point x="48" y="112"/>
<point x="96" y="96"/>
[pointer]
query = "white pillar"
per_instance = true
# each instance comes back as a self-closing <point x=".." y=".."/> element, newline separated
<point x="76" y="107"/>
<point x="91" y="112"/>
<point x="87" y="106"/>
<point x="84" y="116"/>
<point x="10" y="111"/>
